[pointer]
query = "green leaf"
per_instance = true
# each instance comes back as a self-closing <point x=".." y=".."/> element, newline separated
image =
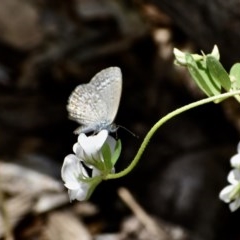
<point x="201" y="76"/>
<point x="215" y="87"/>
<point x="235" y="76"/>
<point x="218" y="73"/>
<point x="106" y="152"/>
<point x="117" y="152"/>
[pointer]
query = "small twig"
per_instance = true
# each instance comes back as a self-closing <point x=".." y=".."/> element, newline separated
<point x="142" y="216"/>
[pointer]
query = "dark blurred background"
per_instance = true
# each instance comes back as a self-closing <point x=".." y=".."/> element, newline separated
<point x="47" y="48"/>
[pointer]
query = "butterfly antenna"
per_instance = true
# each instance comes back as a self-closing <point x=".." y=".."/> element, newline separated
<point x="119" y="126"/>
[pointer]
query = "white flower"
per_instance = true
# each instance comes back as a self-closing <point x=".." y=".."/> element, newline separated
<point x="231" y="193"/>
<point x="94" y="158"/>
<point x="89" y="149"/>
<point x="76" y="178"/>
<point x="235" y="160"/>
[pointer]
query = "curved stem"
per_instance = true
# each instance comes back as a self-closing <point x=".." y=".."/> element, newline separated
<point x="160" y="123"/>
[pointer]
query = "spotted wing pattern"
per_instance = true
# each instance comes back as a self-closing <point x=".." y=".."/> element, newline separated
<point x="108" y="84"/>
<point x="94" y="105"/>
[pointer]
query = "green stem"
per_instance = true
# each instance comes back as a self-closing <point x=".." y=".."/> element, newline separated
<point x="160" y="123"/>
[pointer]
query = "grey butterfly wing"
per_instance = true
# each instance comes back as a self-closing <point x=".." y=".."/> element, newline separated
<point x="94" y="105"/>
<point x="83" y="107"/>
<point x="108" y="84"/>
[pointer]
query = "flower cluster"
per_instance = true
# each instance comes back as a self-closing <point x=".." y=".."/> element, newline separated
<point x="231" y="193"/>
<point x="93" y="159"/>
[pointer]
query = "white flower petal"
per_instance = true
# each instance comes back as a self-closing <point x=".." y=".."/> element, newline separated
<point x="235" y="161"/>
<point x="233" y="176"/>
<point x="82" y="136"/>
<point x="85" y="143"/>
<point x="111" y="143"/>
<point x="72" y="185"/>
<point x="231" y="193"/>
<point x="76" y="146"/>
<point x="234" y="205"/>
<point x="77" y="149"/>
<point x="80" y="194"/>
<point x="70" y="169"/>
<point x="101" y="138"/>
<point x="72" y="172"/>
<point x="237" y="174"/>
<point x="92" y="144"/>
<point x="225" y="193"/>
